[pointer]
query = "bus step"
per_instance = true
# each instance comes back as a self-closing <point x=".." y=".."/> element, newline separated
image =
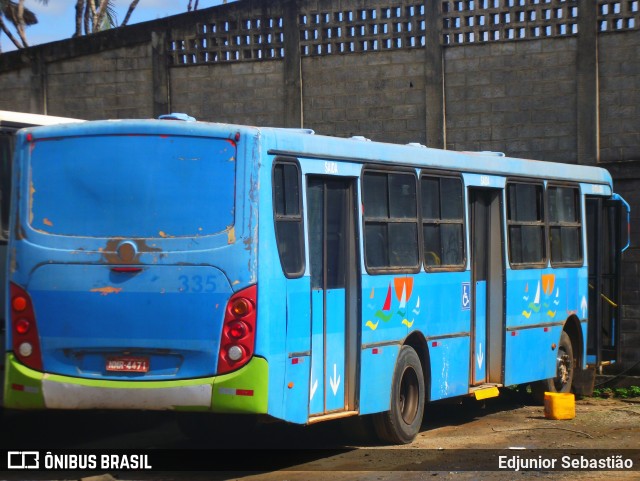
<point x="485" y="392"/>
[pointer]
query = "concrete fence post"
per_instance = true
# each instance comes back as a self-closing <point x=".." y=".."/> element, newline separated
<point x="588" y="123"/>
<point x="293" y="108"/>
<point x="434" y="73"/>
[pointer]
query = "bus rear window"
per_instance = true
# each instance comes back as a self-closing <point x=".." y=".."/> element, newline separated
<point x="132" y="186"/>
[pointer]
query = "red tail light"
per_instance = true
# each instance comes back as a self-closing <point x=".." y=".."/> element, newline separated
<point x="239" y="330"/>
<point x="24" y="332"/>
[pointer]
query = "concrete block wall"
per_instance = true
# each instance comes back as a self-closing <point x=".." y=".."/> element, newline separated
<point x="15" y="90"/>
<point x="109" y="84"/>
<point x="619" y="70"/>
<point x="380" y="96"/>
<point x="243" y="93"/>
<point x="518" y="98"/>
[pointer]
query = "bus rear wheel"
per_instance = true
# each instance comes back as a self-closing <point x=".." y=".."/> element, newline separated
<point x="565" y="366"/>
<point x="402" y="422"/>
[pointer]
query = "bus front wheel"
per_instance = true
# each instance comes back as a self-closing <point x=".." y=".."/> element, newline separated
<point x="402" y="422"/>
<point x="565" y="366"/>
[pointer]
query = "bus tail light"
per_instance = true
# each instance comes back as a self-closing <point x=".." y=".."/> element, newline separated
<point x="238" y="331"/>
<point x="24" y="331"/>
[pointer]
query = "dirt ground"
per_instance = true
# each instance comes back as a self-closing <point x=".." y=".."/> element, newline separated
<point x="456" y="437"/>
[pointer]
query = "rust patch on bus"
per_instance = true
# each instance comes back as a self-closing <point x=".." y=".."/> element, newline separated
<point x="110" y="251"/>
<point x="231" y="236"/>
<point x="105" y="291"/>
<point x="46" y="221"/>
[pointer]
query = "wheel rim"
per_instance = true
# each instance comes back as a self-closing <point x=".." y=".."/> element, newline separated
<point x="408" y="395"/>
<point x="564" y="370"/>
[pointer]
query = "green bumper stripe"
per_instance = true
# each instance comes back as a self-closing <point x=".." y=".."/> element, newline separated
<point x="243" y="391"/>
<point x="22" y="386"/>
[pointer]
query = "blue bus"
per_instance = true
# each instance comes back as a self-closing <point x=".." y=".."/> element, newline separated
<point x="236" y="273"/>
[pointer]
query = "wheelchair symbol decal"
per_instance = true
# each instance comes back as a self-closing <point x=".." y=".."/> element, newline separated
<point x="466" y="296"/>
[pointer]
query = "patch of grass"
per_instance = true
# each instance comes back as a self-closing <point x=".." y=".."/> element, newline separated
<point x="619" y="392"/>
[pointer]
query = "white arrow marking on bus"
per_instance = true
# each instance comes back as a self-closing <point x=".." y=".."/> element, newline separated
<point x="584" y="306"/>
<point x="314" y="386"/>
<point x="480" y="356"/>
<point x="335" y="380"/>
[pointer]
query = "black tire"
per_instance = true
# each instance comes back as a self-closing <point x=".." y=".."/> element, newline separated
<point x="215" y="428"/>
<point x="402" y="422"/>
<point x="565" y="368"/>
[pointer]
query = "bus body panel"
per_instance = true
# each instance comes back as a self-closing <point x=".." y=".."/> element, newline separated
<point x="299" y="391"/>
<point x="538" y="304"/>
<point x="449" y="376"/>
<point x="376" y="374"/>
<point x="173" y="318"/>
<point x="168" y="307"/>
<point x="396" y="305"/>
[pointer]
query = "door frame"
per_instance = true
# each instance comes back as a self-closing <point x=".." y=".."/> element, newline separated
<point x="352" y="295"/>
<point x="494" y="276"/>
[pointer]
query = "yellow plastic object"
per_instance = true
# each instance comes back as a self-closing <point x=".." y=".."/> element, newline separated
<point x="559" y="405"/>
<point x="486" y="393"/>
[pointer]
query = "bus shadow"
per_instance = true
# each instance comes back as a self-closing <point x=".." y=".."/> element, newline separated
<point x="160" y="430"/>
<point x="459" y="411"/>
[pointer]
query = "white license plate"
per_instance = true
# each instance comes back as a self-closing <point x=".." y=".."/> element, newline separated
<point x="128" y="364"/>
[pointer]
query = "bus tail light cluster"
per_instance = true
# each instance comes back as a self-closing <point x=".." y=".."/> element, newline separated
<point x="24" y="331"/>
<point x="238" y="331"/>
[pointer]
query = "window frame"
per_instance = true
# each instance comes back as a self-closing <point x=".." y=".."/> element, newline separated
<point x="439" y="175"/>
<point x="579" y="224"/>
<point x="544" y="262"/>
<point x="289" y="218"/>
<point x="377" y="169"/>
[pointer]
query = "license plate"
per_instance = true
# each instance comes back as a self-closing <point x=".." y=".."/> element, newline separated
<point x="128" y="364"/>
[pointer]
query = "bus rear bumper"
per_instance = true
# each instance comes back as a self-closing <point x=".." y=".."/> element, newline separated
<point x="242" y="391"/>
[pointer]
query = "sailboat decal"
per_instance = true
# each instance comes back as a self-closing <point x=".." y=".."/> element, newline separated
<point x="416" y="311"/>
<point x="387" y="302"/>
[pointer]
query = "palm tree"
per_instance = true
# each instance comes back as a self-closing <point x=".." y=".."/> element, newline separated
<point x="20" y="17"/>
<point x="96" y="15"/>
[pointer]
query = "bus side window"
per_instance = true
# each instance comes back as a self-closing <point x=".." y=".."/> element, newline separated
<point x="565" y="227"/>
<point x="442" y="222"/>
<point x="288" y="217"/>
<point x="525" y="219"/>
<point x="390" y="221"/>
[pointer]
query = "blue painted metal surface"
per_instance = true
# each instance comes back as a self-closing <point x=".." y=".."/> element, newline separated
<point x="334" y="375"/>
<point x="317" y="381"/>
<point x="298" y="348"/>
<point x="480" y="333"/>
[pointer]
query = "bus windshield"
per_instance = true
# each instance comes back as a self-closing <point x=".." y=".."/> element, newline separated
<point x="137" y="186"/>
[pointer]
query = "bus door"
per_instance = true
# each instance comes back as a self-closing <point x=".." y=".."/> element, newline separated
<point x="487" y="286"/>
<point x="334" y="294"/>
<point x="607" y="232"/>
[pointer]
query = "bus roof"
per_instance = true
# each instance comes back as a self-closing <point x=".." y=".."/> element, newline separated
<point x="19" y="120"/>
<point x="305" y="144"/>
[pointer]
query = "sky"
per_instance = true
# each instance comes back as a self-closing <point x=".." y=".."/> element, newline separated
<point x="56" y="20"/>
